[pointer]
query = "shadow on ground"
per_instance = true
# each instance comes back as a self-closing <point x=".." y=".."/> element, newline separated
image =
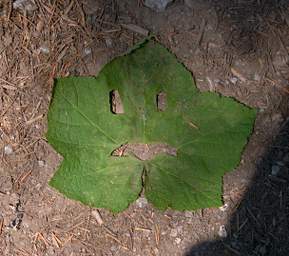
<point x="247" y="25"/>
<point x="260" y="224"/>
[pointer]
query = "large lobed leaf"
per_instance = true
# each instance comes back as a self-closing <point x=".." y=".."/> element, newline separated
<point x="209" y="132"/>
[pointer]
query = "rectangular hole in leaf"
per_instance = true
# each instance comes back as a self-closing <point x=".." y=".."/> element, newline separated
<point x="116" y="106"/>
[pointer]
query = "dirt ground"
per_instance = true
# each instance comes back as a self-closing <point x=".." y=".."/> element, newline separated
<point x="236" y="48"/>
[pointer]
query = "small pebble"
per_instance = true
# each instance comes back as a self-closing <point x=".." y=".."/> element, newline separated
<point x="233" y="80"/>
<point x="224" y="207"/>
<point x="44" y="49"/>
<point x="157" y="5"/>
<point x="8" y="150"/>
<point x="178" y="240"/>
<point x="222" y="232"/>
<point x="263" y="250"/>
<point x="87" y="51"/>
<point x="25" y="5"/>
<point x="280" y="163"/>
<point x="41" y="163"/>
<point x="275" y="170"/>
<point x="189" y="214"/>
<point x="257" y="77"/>
<point x="142" y="202"/>
<point x="174" y="232"/>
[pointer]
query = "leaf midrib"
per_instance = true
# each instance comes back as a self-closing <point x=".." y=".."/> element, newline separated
<point x="88" y="120"/>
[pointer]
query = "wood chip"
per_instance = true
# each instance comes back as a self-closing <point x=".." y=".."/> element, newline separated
<point x="34" y="119"/>
<point x="136" y="29"/>
<point x="1" y="225"/>
<point x="157" y="235"/>
<point x="97" y="216"/>
<point x="142" y="229"/>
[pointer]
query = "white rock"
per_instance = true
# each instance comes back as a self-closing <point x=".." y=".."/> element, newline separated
<point x="87" y="51"/>
<point x="222" y="232"/>
<point x="224" y="207"/>
<point x="44" y="49"/>
<point x="8" y="150"/>
<point x="141" y="202"/>
<point x="157" y="5"/>
<point x="113" y="248"/>
<point x="233" y="80"/>
<point x="275" y="170"/>
<point x="178" y="240"/>
<point x="257" y="77"/>
<point x="41" y="163"/>
<point x="25" y="5"/>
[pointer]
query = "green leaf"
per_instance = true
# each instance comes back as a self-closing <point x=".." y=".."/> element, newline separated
<point x="208" y="132"/>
